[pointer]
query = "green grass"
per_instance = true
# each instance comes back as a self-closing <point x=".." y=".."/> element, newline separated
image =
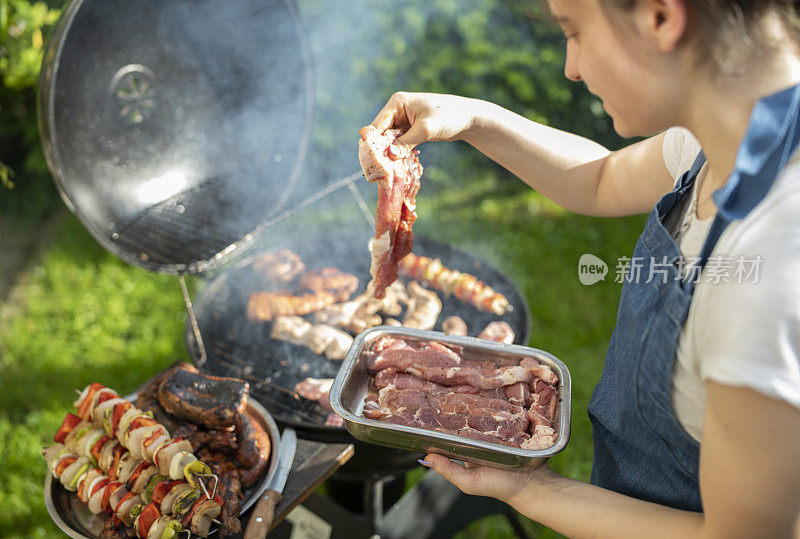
<point x="86" y="316"/>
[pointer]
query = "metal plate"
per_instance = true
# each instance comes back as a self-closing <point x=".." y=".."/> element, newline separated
<point x="351" y="385"/>
<point x="75" y="519"/>
<point x="239" y="347"/>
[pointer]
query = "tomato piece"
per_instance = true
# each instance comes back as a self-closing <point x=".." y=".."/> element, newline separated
<point x="110" y="489"/>
<point x="100" y="484"/>
<point x="83" y="408"/>
<point x="108" y="395"/>
<point x="187" y="517"/>
<point x="136" y="472"/>
<point x="98" y="447"/>
<point x="142" y="421"/>
<point x="152" y="438"/>
<point x="125" y="498"/>
<point x="112" y="470"/>
<point x="162" y="489"/>
<point x="66" y="427"/>
<point x="149" y="515"/>
<point x="63" y="464"/>
<point x="119" y="411"/>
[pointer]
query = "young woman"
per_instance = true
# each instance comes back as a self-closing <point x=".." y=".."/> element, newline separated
<point x="696" y="419"/>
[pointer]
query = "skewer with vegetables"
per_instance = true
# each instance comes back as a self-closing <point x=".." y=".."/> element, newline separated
<point x="130" y="484"/>
<point x="142" y="435"/>
<point x="465" y="287"/>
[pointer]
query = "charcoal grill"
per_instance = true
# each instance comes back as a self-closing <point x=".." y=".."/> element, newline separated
<point x="178" y="132"/>
<point x="235" y="345"/>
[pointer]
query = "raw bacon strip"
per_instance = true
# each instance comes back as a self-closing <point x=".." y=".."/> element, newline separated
<point x="539" y="371"/>
<point x="402" y="380"/>
<point x="398" y="182"/>
<point x="437" y="363"/>
<point x="543" y="405"/>
<point x="491" y="420"/>
<point x="542" y="438"/>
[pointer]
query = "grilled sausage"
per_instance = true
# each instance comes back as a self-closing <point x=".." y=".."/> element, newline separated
<point x="254" y="449"/>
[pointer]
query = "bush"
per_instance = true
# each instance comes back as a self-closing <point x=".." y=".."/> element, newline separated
<point x="26" y="192"/>
<point x="504" y="51"/>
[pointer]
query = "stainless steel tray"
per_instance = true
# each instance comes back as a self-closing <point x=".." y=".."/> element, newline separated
<point x="75" y="519"/>
<point x="351" y="385"/>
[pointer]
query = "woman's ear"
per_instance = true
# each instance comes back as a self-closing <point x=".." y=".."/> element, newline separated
<point x="664" y="22"/>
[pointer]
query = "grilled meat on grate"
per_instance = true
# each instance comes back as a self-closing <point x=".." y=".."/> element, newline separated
<point x="331" y="280"/>
<point x="115" y="529"/>
<point x="281" y="267"/>
<point x="267" y="306"/>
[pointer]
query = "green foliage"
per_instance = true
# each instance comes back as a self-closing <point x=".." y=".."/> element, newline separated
<point x="24" y="27"/>
<point x="86" y="317"/>
<point x="504" y="51"/>
<point x="5" y="176"/>
<point x="21" y="33"/>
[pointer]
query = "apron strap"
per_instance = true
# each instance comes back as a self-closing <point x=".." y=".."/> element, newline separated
<point x="691" y="174"/>
<point x="771" y="139"/>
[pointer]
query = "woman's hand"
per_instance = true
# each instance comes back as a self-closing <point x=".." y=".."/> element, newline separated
<point x="508" y="486"/>
<point x="425" y="117"/>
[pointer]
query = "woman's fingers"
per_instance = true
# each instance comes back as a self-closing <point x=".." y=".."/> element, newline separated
<point x="417" y="134"/>
<point x="481" y="480"/>
<point x="464" y="478"/>
<point x="393" y="114"/>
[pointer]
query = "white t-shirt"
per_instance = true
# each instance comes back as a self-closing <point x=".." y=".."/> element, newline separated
<point x="743" y="327"/>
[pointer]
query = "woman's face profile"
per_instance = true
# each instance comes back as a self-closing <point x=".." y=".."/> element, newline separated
<point x="620" y="64"/>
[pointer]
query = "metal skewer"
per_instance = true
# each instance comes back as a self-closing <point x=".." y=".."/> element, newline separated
<point x="293" y="394"/>
<point x="203" y="486"/>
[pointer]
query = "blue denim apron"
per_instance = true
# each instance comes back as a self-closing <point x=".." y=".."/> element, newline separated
<point x="640" y="448"/>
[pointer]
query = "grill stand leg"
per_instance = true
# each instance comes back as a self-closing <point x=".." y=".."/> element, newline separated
<point x="435" y="508"/>
<point x="373" y="502"/>
<point x="198" y="339"/>
<point x="432" y="509"/>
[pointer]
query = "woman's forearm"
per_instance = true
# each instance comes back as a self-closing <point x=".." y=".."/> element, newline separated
<point x="564" y="167"/>
<point x="578" y="509"/>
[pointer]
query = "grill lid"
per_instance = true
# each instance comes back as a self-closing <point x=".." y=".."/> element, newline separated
<point x="173" y="129"/>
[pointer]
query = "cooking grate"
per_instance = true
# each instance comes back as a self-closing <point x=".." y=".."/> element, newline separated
<point x="237" y="346"/>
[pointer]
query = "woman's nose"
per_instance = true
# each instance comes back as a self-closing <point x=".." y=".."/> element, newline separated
<point x="571" y="65"/>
